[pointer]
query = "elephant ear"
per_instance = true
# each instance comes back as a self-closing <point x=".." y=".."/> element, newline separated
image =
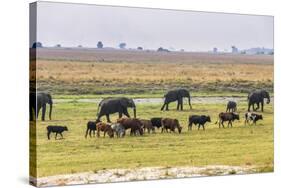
<point x="183" y="93"/>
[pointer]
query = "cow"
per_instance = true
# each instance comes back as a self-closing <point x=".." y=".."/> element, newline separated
<point x="156" y="122"/>
<point x="231" y="106"/>
<point x="132" y="123"/>
<point x="252" y="117"/>
<point x="105" y="128"/>
<point x="91" y="127"/>
<point x="199" y="120"/>
<point x="146" y="124"/>
<point x="56" y="129"/>
<point x="227" y="116"/>
<point x="118" y="129"/>
<point x="171" y="124"/>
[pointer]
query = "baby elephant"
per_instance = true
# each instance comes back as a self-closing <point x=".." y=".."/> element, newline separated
<point x="168" y="123"/>
<point x="55" y="129"/>
<point x="118" y="129"/>
<point x="91" y="127"/>
<point x="105" y="128"/>
<point x="231" y="106"/>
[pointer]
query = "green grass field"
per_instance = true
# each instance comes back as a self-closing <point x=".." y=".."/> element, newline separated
<point x="241" y="145"/>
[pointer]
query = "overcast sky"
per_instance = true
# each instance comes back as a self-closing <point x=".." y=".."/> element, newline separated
<point x="79" y="24"/>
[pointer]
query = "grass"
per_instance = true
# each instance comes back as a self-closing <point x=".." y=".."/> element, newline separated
<point x="240" y="145"/>
<point x="84" y="78"/>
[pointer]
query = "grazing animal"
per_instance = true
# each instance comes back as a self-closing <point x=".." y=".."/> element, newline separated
<point x="156" y="122"/>
<point x="231" y="106"/>
<point x="227" y="116"/>
<point x="105" y="128"/>
<point x="37" y="101"/>
<point x="118" y="129"/>
<point x="146" y="124"/>
<point x="91" y="127"/>
<point x="176" y="95"/>
<point x="113" y="105"/>
<point x="131" y="123"/>
<point x="199" y="120"/>
<point x="257" y="97"/>
<point x="56" y="129"/>
<point x="249" y="116"/>
<point x="171" y="124"/>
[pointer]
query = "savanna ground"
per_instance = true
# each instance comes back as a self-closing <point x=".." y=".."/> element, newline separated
<point x="74" y="75"/>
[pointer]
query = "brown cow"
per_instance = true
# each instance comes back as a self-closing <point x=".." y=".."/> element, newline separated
<point x="131" y="123"/>
<point x="146" y="124"/>
<point x="105" y="128"/>
<point x="227" y="116"/>
<point x="168" y="123"/>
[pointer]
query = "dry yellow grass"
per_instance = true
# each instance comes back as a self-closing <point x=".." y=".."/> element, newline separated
<point x="68" y="71"/>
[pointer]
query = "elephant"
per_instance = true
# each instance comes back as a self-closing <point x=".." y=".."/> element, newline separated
<point x="37" y="101"/>
<point x="112" y="105"/>
<point x="176" y="95"/>
<point x="257" y="97"/>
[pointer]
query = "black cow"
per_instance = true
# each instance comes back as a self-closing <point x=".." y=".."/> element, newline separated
<point x="91" y="127"/>
<point x="231" y="106"/>
<point x="55" y="129"/>
<point x="252" y="117"/>
<point x="199" y="120"/>
<point x="156" y="122"/>
<point x="227" y="116"/>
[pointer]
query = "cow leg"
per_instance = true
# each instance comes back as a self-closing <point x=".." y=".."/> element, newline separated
<point x="199" y="126"/>
<point x="61" y="135"/>
<point x="56" y="135"/>
<point x="87" y="133"/>
<point x="104" y="133"/>
<point x="120" y="114"/>
<point x="262" y="106"/>
<point x="178" y="105"/>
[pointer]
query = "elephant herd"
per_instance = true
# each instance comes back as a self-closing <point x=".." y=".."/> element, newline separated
<point x="120" y="105"/>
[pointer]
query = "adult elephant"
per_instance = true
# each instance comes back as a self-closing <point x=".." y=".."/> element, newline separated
<point x="38" y="101"/>
<point x="176" y="95"/>
<point x="257" y="97"/>
<point x="115" y="104"/>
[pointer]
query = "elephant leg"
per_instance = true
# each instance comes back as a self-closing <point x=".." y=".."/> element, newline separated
<point x="120" y="114"/>
<point x="37" y="112"/>
<point x="43" y="112"/>
<point x="180" y="102"/>
<point x="258" y="106"/>
<point x="178" y="105"/>
<point x="167" y="107"/>
<point x="126" y="113"/>
<point x="107" y="118"/>
<point x="249" y="106"/>
<point x="163" y="106"/>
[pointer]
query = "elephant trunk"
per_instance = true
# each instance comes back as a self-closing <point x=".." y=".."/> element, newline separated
<point x="135" y="112"/>
<point x="268" y="100"/>
<point x="50" y="113"/>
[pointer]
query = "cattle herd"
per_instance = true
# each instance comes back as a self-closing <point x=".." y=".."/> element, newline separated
<point x="139" y="127"/>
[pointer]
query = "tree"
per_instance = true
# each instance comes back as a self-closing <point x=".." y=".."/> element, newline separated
<point x="58" y="46"/>
<point x="122" y="45"/>
<point x="37" y="45"/>
<point x="140" y="48"/>
<point x="100" y="44"/>
<point x="162" y="50"/>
